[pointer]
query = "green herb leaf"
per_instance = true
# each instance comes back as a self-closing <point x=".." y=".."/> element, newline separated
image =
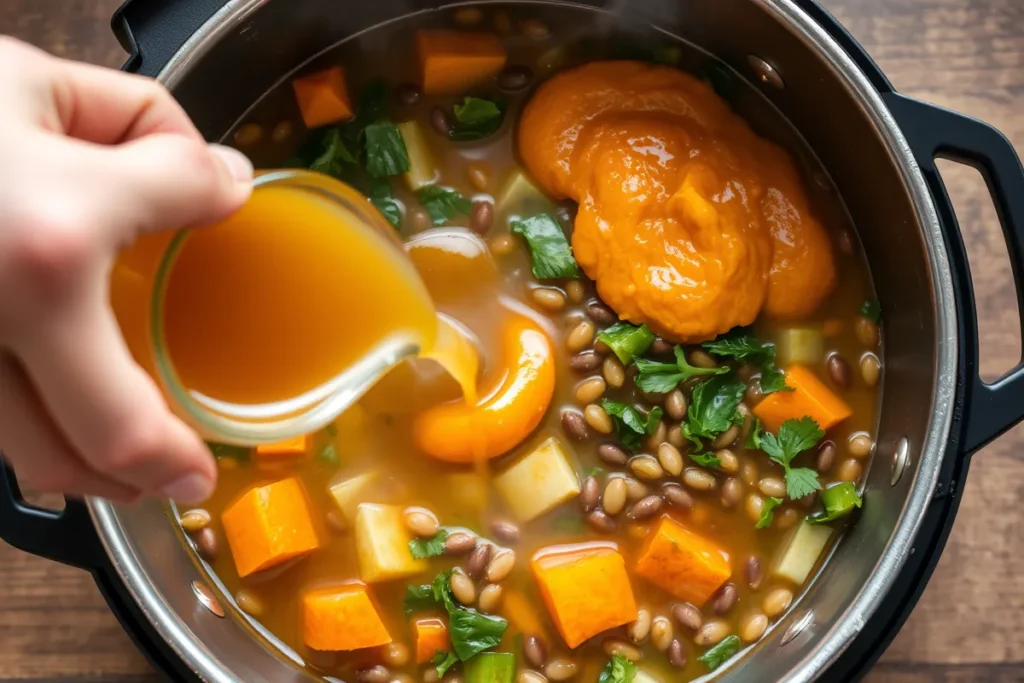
<point x="550" y="252"/>
<point x="618" y="670"/>
<point x="472" y="632"/>
<point x="335" y="154"/>
<point x="443" y="591"/>
<point x="768" y="512"/>
<point x="719" y="654"/>
<point x="801" y="481"/>
<point x="419" y="599"/>
<point x="476" y="118"/>
<point x="661" y="378"/>
<point x="631" y="425"/>
<point x="382" y="198"/>
<point x="331" y="430"/>
<point x="428" y="547"/>
<point x="223" y="450"/>
<point x="443" y="203"/>
<point x="772" y="380"/>
<point x="795" y="437"/>
<point x="838" y="499"/>
<point x="753" y="440"/>
<point x="442" y="661"/>
<point x="872" y="310"/>
<point x="627" y="341"/>
<point x="705" y="459"/>
<point x="742" y="345"/>
<point x="329" y="454"/>
<point x="595" y="471"/>
<point x="712" y="407"/>
<point x="386" y="154"/>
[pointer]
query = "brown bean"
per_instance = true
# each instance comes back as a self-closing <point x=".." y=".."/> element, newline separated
<point x="754" y="572"/>
<point x="490" y="598"/>
<point x="206" y="544"/>
<point x="548" y="299"/>
<point x="634" y="489"/>
<point x="601" y="314"/>
<point x="726" y="438"/>
<point x="646" y="467"/>
<point x="477" y="561"/>
<point x="773" y="487"/>
<point x="732" y="492"/>
<point x="505" y="531"/>
<point x="755" y="503"/>
<point x="535" y="651"/>
<point x="614" y="499"/>
<point x="849" y="470"/>
<point x="501" y="566"/>
<point x="698" y="479"/>
<point x="585" y="361"/>
<point x="282" y="132"/>
<point x="395" y="654"/>
<point x="601" y="522"/>
<point x="580" y="337"/>
<point x="660" y="347"/>
<point x="870" y="369"/>
<point x="481" y="217"/>
<point x="574" y="425"/>
<point x="866" y="331"/>
<point x="408" y="94"/>
<point x="753" y="395"/>
<point x="777" y="602"/>
<point x="375" y="674"/>
<point x="614" y="647"/>
<point x="575" y="290"/>
<point x="725" y="599"/>
<point x="590" y="390"/>
<point x="195" y="520"/>
<point x="502" y="23"/>
<point x="598" y="419"/>
<point x="529" y="676"/>
<point x="675" y="405"/>
<point x="249" y="603"/>
<point x="560" y="669"/>
<point x="674" y="436"/>
<point x="420" y="220"/>
<point x="786" y="518"/>
<point x="657" y="437"/>
<point x="702" y="359"/>
<point x="727" y="461"/>
<point x="515" y="77"/>
<point x="468" y="16"/>
<point x="677" y="496"/>
<point x="613" y="372"/>
<point x="421" y="522"/>
<point x="590" y="494"/>
<point x="752" y="626"/>
<point x="429" y="674"/>
<point x="459" y="542"/>
<point x="640" y="627"/>
<point x="661" y="633"/>
<point x="748" y="471"/>
<point x="688" y="616"/>
<point x="860" y="445"/>
<point x="248" y="134"/>
<point x="440" y="122"/>
<point x="676" y="654"/>
<point x="838" y="371"/>
<point x="535" y="29"/>
<point x="826" y="457"/>
<point x="711" y="633"/>
<point x="612" y="454"/>
<point x="502" y="245"/>
<point x="670" y="459"/>
<point x="645" y="508"/>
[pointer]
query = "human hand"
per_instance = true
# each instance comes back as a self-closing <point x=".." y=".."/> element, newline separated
<point x="92" y="158"/>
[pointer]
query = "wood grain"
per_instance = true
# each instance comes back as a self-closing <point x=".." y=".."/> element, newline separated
<point x="964" y="54"/>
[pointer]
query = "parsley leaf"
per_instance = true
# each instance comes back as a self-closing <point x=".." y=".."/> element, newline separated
<point x="443" y="203"/>
<point x="428" y="547"/>
<point x="742" y="345"/>
<point x="795" y="436"/>
<point x="442" y="661"/>
<point x="872" y="310"/>
<point x="335" y="154"/>
<point x="839" y="500"/>
<point x="768" y="512"/>
<point x="753" y="440"/>
<point x="329" y="454"/>
<point x="660" y="378"/>
<point x="470" y="631"/>
<point x="772" y="380"/>
<point x="550" y="253"/>
<point x="476" y="118"/>
<point x="712" y="407"/>
<point x="386" y="154"/>
<point x="618" y="670"/>
<point x="630" y="424"/>
<point x="717" y="656"/>
<point x="705" y="459"/>
<point x="418" y="599"/>
<point x="627" y="341"/>
<point x="382" y="198"/>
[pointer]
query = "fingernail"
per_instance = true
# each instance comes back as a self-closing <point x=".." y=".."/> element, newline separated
<point x="238" y="164"/>
<point x="190" y="489"/>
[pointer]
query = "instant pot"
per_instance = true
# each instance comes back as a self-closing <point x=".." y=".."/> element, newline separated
<point x="878" y="149"/>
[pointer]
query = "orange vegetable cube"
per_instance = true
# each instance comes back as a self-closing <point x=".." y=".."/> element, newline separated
<point x="809" y="397"/>
<point x="342" y="618"/>
<point x="682" y="562"/>
<point x="451" y="62"/>
<point x="269" y="525"/>
<point x="568" y="577"/>
<point x="289" y="448"/>
<point x="431" y="635"/>
<point x="323" y="97"/>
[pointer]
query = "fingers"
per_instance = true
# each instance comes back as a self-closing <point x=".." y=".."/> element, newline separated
<point x="110" y="409"/>
<point x="40" y="453"/>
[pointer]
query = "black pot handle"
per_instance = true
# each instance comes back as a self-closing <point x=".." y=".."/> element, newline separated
<point x="67" y="536"/>
<point x="152" y="31"/>
<point x="988" y="410"/>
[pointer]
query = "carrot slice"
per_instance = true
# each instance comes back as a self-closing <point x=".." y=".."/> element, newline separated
<point x="323" y="97"/>
<point x="809" y="397"/>
<point x="431" y="635"/>
<point x="288" y="448"/>
<point x="684" y="563"/>
<point x="451" y="62"/>
<point x="341" y="618"/>
<point x="568" y="577"/>
<point x="269" y="525"/>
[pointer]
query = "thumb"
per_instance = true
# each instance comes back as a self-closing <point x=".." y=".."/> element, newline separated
<point x="169" y="181"/>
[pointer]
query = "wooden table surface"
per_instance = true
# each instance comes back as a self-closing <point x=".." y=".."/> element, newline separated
<point x="969" y="625"/>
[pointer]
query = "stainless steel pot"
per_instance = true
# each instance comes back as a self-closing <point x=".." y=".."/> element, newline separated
<point x="877" y="147"/>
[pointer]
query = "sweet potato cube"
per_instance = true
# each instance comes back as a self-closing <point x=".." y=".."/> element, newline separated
<point x="586" y="589"/>
<point x="452" y="62"/>
<point x="341" y="618"/>
<point x="431" y="635"/>
<point x="283" y="450"/>
<point x="809" y="396"/>
<point x="323" y="97"/>
<point x="269" y="525"/>
<point x="382" y="544"/>
<point x="683" y="563"/>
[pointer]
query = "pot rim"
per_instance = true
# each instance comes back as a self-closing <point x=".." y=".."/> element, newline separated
<point x="831" y="645"/>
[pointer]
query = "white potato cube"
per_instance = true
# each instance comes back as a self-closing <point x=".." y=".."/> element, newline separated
<point x="422" y="167"/>
<point x="642" y="676"/>
<point x="519" y="195"/>
<point x="382" y="544"/>
<point x="799" y="553"/>
<point x="539" y="481"/>
<point x="350" y="493"/>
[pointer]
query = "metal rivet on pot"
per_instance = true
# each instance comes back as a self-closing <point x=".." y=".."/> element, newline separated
<point x="765" y="72"/>
<point x="207" y="599"/>
<point x="900" y="457"/>
<point x="798" y="627"/>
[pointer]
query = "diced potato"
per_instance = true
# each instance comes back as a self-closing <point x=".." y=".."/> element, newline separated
<point x="342" y="618"/>
<point x="799" y="345"/>
<point x="382" y="544"/>
<point x="644" y="677"/>
<point x="539" y="481"/>
<point x="350" y="493"/>
<point x="519" y="195"/>
<point x="682" y="562"/>
<point x="422" y="167"/>
<point x="797" y="556"/>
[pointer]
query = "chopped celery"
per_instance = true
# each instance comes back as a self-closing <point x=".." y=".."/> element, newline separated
<point x="491" y="667"/>
<point x="839" y="499"/>
<point x="627" y="341"/>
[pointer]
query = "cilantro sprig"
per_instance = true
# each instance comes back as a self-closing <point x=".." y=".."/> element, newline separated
<point x="719" y="654"/>
<point x="794" y="437"/>
<point x="660" y="378"/>
<point x="428" y="547"/>
<point x="550" y="253"/>
<point x="712" y="407"/>
<point x="618" y="670"/>
<point x="630" y="424"/>
<point x="476" y="118"/>
<point x="443" y="203"/>
<point x="742" y="345"/>
<point x="471" y="632"/>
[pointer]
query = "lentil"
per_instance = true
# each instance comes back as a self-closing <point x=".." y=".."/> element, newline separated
<point x="501" y="566"/>
<point x="677" y="496"/>
<point x="645" y="508"/>
<point x="612" y="454"/>
<point x="477" y="561"/>
<point x="640" y="628"/>
<point x="670" y="459"/>
<point x="490" y="598"/>
<point x="870" y="369"/>
<point x="581" y="336"/>
<point x="195" y="520"/>
<point x="430" y="675"/>
<point x="574" y="425"/>
<point x="505" y="531"/>
<point x="585" y="361"/>
<point x="551" y="300"/>
<point x="712" y="633"/>
<point x="838" y="371"/>
<point x="481" y="217"/>
<point x="535" y="652"/>
<point x="589" y="390"/>
<point x="646" y="467"/>
<point x="661" y="633"/>
<point x="614" y="499"/>
<point x="752" y="626"/>
<point x="560" y="669"/>
<point x="421" y="522"/>
<point x="613" y="372"/>
<point x="776" y="602"/>
<point x="772" y="487"/>
<point x="459" y="542"/>
<point x="590" y="494"/>
<point x="698" y="479"/>
<point x="860" y="445"/>
<point x="502" y="22"/>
